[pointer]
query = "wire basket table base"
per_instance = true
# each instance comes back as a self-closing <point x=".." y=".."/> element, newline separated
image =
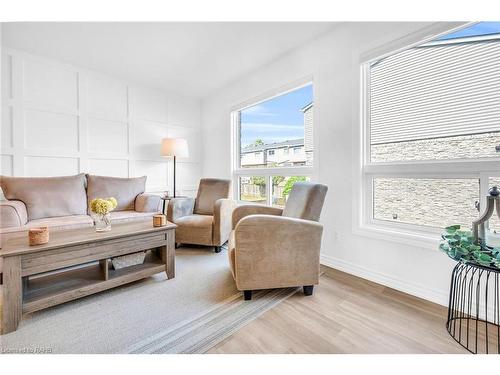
<point x="474" y="308"/>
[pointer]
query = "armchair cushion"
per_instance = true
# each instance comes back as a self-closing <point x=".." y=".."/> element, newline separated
<point x="251" y="209"/>
<point x="13" y="214"/>
<point x="125" y="190"/>
<point x="147" y="203"/>
<point x="209" y="191"/>
<point x="305" y="201"/>
<point x="47" y="196"/>
<point x="194" y="229"/>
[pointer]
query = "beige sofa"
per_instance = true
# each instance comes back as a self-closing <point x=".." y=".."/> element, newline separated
<point x="274" y="248"/>
<point x="62" y="202"/>
<point x="205" y="220"/>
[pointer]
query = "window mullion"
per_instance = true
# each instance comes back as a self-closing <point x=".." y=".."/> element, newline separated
<point x="269" y="189"/>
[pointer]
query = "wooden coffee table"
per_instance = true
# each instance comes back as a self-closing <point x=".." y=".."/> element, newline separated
<point x="82" y="257"/>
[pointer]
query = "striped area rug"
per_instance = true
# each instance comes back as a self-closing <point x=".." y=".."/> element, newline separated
<point x="191" y="313"/>
<point x="200" y="334"/>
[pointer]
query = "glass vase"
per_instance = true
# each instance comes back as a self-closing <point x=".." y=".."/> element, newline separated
<point x="102" y="222"/>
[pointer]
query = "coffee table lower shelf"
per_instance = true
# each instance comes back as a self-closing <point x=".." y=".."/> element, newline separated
<point x="46" y="291"/>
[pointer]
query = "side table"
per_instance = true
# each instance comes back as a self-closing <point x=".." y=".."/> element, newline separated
<point x="474" y="308"/>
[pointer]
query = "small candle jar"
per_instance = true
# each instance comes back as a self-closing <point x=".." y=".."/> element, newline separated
<point x="159" y="220"/>
<point x="38" y="236"/>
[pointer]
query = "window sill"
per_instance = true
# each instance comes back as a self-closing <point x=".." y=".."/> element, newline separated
<point x="424" y="240"/>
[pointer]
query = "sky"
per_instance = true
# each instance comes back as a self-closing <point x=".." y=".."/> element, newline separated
<point x="481" y="28"/>
<point x="276" y="120"/>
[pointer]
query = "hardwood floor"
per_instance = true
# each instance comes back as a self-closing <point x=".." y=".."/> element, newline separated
<point x="346" y="314"/>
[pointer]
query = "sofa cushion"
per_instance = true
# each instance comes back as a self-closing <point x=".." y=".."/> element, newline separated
<point x="121" y="216"/>
<point x="148" y="203"/>
<point x="54" y="223"/>
<point x="123" y="189"/>
<point x="47" y="196"/>
<point x="210" y="190"/>
<point x="62" y="222"/>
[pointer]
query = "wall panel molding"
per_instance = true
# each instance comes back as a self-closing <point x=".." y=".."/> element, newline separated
<point x="60" y="119"/>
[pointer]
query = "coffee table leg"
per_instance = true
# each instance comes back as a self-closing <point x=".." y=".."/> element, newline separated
<point x="12" y="293"/>
<point x="168" y="254"/>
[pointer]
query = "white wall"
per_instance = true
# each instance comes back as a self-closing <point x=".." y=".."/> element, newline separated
<point x="333" y="61"/>
<point x="59" y="119"/>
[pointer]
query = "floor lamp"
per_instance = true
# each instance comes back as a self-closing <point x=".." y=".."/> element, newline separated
<point x="176" y="147"/>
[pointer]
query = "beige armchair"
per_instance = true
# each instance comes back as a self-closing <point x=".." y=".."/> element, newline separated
<point x="205" y="220"/>
<point x="273" y="248"/>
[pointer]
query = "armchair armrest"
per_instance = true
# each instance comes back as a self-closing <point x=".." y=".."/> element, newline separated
<point x="223" y="210"/>
<point x="147" y="203"/>
<point x="179" y="207"/>
<point x="251" y="209"/>
<point x="13" y="213"/>
<point x="276" y="251"/>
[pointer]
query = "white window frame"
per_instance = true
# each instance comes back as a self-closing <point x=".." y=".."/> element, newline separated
<point x="410" y="234"/>
<point x="237" y="171"/>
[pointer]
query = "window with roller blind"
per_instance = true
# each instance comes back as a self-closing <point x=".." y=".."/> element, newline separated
<point x="432" y="130"/>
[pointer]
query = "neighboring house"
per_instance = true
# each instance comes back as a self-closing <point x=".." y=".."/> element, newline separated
<point x="293" y="152"/>
<point x="288" y="153"/>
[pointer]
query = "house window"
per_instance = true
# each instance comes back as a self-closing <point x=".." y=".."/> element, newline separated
<point x="432" y="132"/>
<point x="278" y="121"/>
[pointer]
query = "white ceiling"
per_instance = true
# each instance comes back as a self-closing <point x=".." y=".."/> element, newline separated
<point x="192" y="59"/>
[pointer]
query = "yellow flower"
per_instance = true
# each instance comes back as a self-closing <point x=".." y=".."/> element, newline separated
<point x="113" y="201"/>
<point x="103" y="206"/>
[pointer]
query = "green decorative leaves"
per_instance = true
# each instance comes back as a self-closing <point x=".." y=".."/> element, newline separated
<point x="459" y="245"/>
<point x="452" y="229"/>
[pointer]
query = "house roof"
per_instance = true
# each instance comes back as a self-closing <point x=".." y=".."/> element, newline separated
<point x="307" y="107"/>
<point x="289" y="143"/>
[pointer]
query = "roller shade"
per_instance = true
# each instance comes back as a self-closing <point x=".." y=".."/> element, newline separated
<point x="436" y="90"/>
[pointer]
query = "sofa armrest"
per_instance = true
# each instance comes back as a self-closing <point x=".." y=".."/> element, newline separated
<point x="251" y="209"/>
<point x="147" y="203"/>
<point x="276" y="251"/>
<point x="13" y="213"/>
<point x="179" y="207"/>
<point x="223" y="211"/>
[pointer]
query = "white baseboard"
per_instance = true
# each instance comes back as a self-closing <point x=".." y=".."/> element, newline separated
<point x="436" y="296"/>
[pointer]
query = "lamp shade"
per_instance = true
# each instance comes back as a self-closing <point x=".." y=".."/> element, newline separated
<point x="174" y="147"/>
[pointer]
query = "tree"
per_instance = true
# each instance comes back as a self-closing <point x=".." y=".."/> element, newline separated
<point x="278" y="180"/>
<point x="258" y="142"/>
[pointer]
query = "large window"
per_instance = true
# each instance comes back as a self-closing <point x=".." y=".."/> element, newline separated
<point x="432" y="128"/>
<point x="273" y="145"/>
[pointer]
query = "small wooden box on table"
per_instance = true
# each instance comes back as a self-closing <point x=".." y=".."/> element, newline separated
<point x="82" y="258"/>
